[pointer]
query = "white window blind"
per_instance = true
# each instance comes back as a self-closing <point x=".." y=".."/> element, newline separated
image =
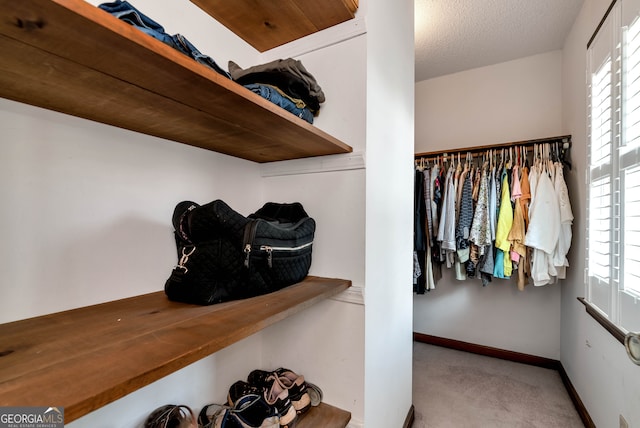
<point x="632" y="231"/>
<point x="600" y="230"/>
<point x="613" y="235"/>
<point x="601" y="116"/>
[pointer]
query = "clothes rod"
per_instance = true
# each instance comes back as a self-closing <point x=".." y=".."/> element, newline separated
<point x="564" y="139"/>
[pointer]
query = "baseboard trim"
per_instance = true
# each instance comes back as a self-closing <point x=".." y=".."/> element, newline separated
<point x="517" y="357"/>
<point x="408" y="422"/>
<point x="577" y="402"/>
<point x="488" y="351"/>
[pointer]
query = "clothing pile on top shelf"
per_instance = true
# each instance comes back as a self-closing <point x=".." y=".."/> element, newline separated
<point x="126" y="12"/>
<point x="269" y="399"/>
<point x="284" y="82"/>
<point x="500" y="219"/>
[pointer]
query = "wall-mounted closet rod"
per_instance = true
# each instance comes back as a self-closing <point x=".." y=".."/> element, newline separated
<point x="564" y="139"/>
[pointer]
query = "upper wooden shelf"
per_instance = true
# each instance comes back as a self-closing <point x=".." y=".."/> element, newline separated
<point x="84" y="358"/>
<point x="71" y="57"/>
<point x="267" y="24"/>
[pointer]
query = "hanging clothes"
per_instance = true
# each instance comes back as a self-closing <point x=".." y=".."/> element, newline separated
<point x="493" y="204"/>
<point x="428" y="196"/>
<point x="503" y="268"/>
<point x="419" y="237"/>
<point x="506" y="217"/>
<point x="446" y="230"/>
<point x="429" y="280"/>
<point x="517" y="232"/>
<point x="457" y="184"/>
<point x="416" y="270"/>
<point x="544" y="229"/>
<point x="480" y="228"/>
<point x="566" y="221"/>
<point x="419" y="213"/>
<point x="465" y="219"/>
<point x="526" y="195"/>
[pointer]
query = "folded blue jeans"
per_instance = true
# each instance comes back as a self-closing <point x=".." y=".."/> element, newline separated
<point x="186" y="47"/>
<point x="126" y="12"/>
<point x="271" y="94"/>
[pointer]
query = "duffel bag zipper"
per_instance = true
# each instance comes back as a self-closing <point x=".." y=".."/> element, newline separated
<point x="269" y="249"/>
<point x="249" y="235"/>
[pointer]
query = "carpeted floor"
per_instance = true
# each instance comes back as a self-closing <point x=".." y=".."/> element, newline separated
<point x="454" y="389"/>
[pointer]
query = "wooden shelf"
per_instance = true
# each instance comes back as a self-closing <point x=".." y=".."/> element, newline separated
<point x="71" y="57"/>
<point x="265" y="25"/>
<point x="324" y="416"/>
<point x="84" y="358"/>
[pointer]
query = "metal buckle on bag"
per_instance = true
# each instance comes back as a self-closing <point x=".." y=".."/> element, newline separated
<point x="185" y="258"/>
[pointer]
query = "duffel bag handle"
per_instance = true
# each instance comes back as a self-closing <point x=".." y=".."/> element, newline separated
<point x="283" y="213"/>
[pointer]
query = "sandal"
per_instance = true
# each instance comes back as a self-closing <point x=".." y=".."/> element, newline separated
<point x="171" y="416"/>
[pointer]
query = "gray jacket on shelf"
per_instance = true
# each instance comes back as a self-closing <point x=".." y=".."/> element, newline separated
<point x="290" y="65"/>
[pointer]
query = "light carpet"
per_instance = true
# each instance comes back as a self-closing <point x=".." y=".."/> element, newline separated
<point x="454" y="389"/>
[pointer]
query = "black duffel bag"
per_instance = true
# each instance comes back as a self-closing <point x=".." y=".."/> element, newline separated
<point x="223" y="255"/>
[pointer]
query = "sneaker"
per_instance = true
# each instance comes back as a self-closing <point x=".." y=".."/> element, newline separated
<point x="251" y="412"/>
<point x="294" y="383"/>
<point x="275" y="397"/>
<point x="171" y="416"/>
<point x="315" y="394"/>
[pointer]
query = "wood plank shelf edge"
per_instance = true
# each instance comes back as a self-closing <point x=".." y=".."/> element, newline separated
<point x="85" y="358"/>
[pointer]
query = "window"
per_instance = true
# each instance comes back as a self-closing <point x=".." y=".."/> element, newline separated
<point x="613" y="175"/>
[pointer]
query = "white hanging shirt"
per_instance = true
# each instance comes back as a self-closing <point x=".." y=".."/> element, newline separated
<point x="566" y="220"/>
<point x="544" y="230"/>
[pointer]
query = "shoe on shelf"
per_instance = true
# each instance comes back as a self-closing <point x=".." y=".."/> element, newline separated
<point x="251" y="412"/>
<point x="300" y="392"/>
<point x="315" y="394"/>
<point x="274" y="397"/>
<point x="171" y="416"/>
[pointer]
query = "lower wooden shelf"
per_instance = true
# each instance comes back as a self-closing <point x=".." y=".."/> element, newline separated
<point x="324" y="416"/>
<point x="84" y="358"/>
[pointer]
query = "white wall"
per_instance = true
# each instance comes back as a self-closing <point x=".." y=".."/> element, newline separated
<point x="86" y="218"/>
<point x="513" y="101"/>
<point x="86" y="213"/>
<point x="370" y="217"/>
<point x="389" y="212"/>
<point x="327" y="341"/>
<point x="606" y="380"/>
